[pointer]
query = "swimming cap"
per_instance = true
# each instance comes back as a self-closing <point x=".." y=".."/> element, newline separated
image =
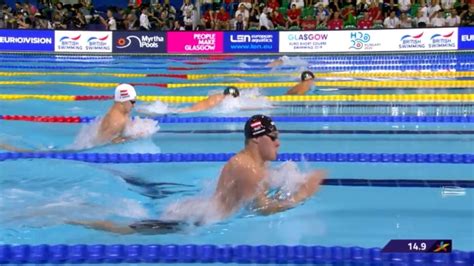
<point x="232" y="91"/>
<point x="259" y="125"/>
<point x="306" y="75"/>
<point x="125" y="92"/>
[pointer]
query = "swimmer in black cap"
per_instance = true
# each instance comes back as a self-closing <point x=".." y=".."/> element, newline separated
<point x="242" y="182"/>
<point x="212" y="101"/>
<point x="307" y="81"/>
<point x="243" y="179"/>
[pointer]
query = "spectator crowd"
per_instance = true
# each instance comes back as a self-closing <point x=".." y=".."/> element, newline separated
<point x="161" y="15"/>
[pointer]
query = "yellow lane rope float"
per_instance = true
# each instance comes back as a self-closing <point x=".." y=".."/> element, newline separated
<point x="341" y="84"/>
<point x="282" y="98"/>
<point x="465" y="74"/>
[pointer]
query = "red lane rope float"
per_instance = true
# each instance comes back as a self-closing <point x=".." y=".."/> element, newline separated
<point x="218" y="57"/>
<point x="161" y="85"/>
<point x="180" y="76"/>
<point x="196" y="63"/>
<point x="182" y="68"/>
<point x="49" y="119"/>
<point x="92" y="97"/>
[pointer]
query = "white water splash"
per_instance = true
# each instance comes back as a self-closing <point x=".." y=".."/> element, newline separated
<point x="49" y="207"/>
<point x="250" y="99"/>
<point x="287" y="177"/>
<point x="137" y="128"/>
<point x="156" y="108"/>
<point x="141" y="128"/>
<point x="87" y="136"/>
<point x="201" y="210"/>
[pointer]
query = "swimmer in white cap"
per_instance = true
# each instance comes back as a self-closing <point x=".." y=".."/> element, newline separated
<point x="242" y="182"/>
<point x="114" y="122"/>
<point x="307" y="81"/>
<point x="112" y="125"/>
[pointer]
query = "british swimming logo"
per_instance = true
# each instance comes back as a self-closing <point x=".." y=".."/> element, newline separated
<point x="442" y="41"/>
<point x="70" y="43"/>
<point x="412" y="41"/>
<point x="102" y="43"/>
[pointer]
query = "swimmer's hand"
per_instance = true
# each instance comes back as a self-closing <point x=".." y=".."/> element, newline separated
<point x="313" y="183"/>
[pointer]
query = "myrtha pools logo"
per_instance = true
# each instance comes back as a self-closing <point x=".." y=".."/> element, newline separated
<point x="143" y="42"/>
<point x="358" y="39"/>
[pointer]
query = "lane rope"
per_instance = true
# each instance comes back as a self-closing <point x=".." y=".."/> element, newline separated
<point x="239" y="254"/>
<point x="466" y="74"/>
<point x="279" y="98"/>
<point x="415" y="84"/>
<point x="284" y="119"/>
<point x="431" y="158"/>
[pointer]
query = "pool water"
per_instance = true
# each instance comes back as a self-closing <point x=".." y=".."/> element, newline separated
<point x="38" y="196"/>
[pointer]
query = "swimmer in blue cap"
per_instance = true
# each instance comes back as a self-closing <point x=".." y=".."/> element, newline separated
<point x="242" y="182"/>
<point x="307" y="81"/>
<point x="212" y="101"/>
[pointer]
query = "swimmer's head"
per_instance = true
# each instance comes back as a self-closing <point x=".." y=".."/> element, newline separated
<point x="124" y="93"/>
<point x="262" y="134"/>
<point x="231" y="90"/>
<point x="259" y="125"/>
<point x="307" y="75"/>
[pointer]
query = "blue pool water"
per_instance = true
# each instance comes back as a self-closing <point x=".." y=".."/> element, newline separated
<point x="37" y="196"/>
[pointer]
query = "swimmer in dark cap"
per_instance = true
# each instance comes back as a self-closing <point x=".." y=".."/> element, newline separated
<point x="212" y="101"/>
<point x="243" y="179"/>
<point x="307" y="81"/>
<point x="242" y="182"/>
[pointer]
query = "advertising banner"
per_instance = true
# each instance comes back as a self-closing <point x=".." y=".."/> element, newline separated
<point x="370" y="40"/>
<point x="251" y="42"/>
<point x="27" y="40"/>
<point x="204" y="42"/>
<point x="306" y="41"/>
<point x="139" y="42"/>
<point x="83" y="41"/>
<point x="466" y="38"/>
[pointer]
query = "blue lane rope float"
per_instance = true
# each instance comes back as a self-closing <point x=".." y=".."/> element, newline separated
<point x="309" y="119"/>
<point x="388" y="105"/>
<point x="441" y="158"/>
<point x="358" y="182"/>
<point x="171" y="119"/>
<point x="330" y="132"/>
<point x="316" y="67"/>
<point x="240" y="254"/>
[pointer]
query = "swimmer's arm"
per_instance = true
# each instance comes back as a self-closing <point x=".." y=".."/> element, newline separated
<point x="104" y="226"/>
<point x="203" y="105"/>
<point x="8" y="147"/>
<point x="268" y="205"/>
<point x="120" y="139"/>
